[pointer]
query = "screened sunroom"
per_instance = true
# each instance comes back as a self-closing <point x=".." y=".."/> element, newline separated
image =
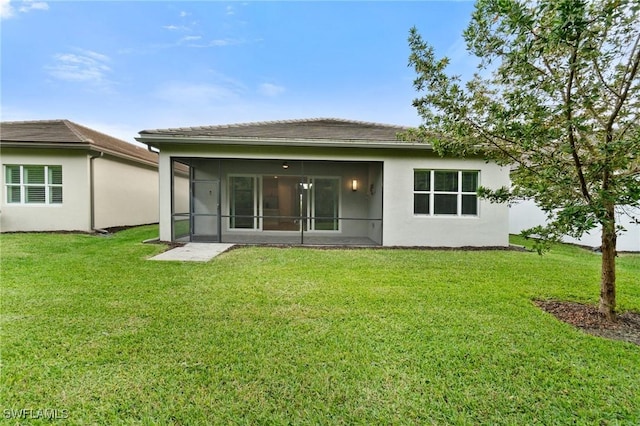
<point x="322" y="181"/>
<point x="276" y="201"/>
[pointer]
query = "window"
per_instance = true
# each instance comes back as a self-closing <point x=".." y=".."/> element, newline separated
<point x="445" y="192"/>
<point x="33" y="184"/>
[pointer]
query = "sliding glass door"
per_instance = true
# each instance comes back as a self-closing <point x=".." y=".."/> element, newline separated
<point x="242" y="202"/>
<point x="325" y="204"/>
<point x="284" y="203"/>
<point x="282" y="206"/>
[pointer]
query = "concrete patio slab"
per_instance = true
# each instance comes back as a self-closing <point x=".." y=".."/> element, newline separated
<point x="194" y="252"/>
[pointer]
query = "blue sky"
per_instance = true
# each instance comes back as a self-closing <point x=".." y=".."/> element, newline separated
<point x="124" y="66"/>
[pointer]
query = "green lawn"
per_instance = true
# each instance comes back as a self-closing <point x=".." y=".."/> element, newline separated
<point x="301" y="336"/>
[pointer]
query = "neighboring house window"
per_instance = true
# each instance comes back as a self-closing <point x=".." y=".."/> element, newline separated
<point x="33" y="184"/>
<point x="445" y="192"/>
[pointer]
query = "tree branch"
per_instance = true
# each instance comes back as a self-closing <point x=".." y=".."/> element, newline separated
<point x="569" y="117"/>
<point x="631" y="123"/>
<point x="626" y="82"/>
<point x="489" y="137"/>
<point x="602" y="80"/>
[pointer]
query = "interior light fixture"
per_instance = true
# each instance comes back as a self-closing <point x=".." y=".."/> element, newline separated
<point x="285" y="165"/>
<point x="354" y="185"/>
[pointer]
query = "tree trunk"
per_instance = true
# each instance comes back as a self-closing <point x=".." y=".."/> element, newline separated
<point x="608" y="283"/>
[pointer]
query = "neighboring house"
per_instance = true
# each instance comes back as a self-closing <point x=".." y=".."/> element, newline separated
<point x="322" y="181"/>
<point x="527" y="214"/>
<point x="58" y="175"/>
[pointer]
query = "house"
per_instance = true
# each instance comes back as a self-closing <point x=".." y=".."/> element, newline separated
<point x="58" y="175"/>
<point x="526" y="214"/>
<point x="322" y="181"/>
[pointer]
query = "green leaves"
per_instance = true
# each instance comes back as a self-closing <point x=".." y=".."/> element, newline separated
<point x="557" y="99"/>
<point x="560" y="104"/>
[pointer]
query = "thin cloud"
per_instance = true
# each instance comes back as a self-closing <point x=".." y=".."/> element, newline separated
<point x="233" y="83"/>
<point x="225" y="42"/>
<point x="195" y="93"/>
<point x="29" y="5"/>
<point x="189" y="38"/>
<point x="222" y="42"/>
<point x="462" y="62"/>
<point x="95" y="55"/>
<point x="83" y="66"/>
<point x="194" y="27"/>
<point x="188" y="41"/>
<point x="7" y="10"/>
<point x="271" y="90"/>
<point x="218" y="88"/>
<point x="184" y="26"/>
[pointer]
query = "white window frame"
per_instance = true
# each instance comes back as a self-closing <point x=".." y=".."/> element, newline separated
<point x="23" y="186"/>
<point x="311" y="208"/>
<point x="431" y="192"/>
<point x="257" y="200"/>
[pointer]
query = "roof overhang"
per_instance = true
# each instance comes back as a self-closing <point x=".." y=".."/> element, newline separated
<point x="157" y="141"/>
<point x="45" y="145"/>
<point x="92" y="149"/>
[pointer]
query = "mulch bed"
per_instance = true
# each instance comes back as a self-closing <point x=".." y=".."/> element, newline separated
<point x="588" y="319"/>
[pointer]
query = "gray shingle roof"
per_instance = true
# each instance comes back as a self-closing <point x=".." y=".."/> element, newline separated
<point x="67" y="134"/>
<point x="315" y="128"/>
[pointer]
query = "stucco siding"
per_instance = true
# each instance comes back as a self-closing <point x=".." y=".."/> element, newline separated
<point x="392" y="189"/>
<point x="527" y="214"/>
<point x="73" y="214"/>
<point x="164" y="197"/>
<point x="125" y="193"/>
<point x="402" y="227"/>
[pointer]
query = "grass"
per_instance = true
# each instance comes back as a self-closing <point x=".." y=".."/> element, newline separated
<point x="300" y="336"/>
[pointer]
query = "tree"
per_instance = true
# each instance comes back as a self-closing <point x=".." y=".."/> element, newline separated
<point x="556" y="98"/>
